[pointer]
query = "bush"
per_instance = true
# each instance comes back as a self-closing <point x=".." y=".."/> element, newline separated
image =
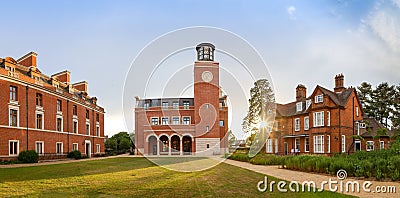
<point x="75" y="154"/>
<point x="28" y="156"/>
<point x="240" y="157"/>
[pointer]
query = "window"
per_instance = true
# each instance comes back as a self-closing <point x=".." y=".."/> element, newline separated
<point x="308" y="103"/>
<point x="343" y="144"/>
<point x="59" y="107"/>
<point x="381" y="145"/>
<point x="59" y="124"/>
<point x="154" y="121"/>
<point x="208" y="145"/>
<point x="165" y="121"/>
<point x="207" y="106"/>
<point x="318" y="119"/>
<point x="299" y="106"/>
<point x="319" y="144"/>
<point x="97" y="117"/>
<point x="319" y="98"/>
<point x="186" y="104"/>
<point x="276" y="145"/>
<point x="186" y="121"/>
<point x="97" y="131"/>
<point x="307" y="144"/>
<point x="175" y="120"/>
<point x="13" y="117"/>
<point x="370" y="145"/>
<point x="87" y="129"/>
<point x="39" y="121"/>
<point x="13" y="148"/>
<point x="13" y="93"/>
<point x="146" y="105"/>
<point x="97" y="148"/>
<point x="357" y="128"/>
<point x="268" y="147"/>
<point x="59" y="147"/>
<point x="75" y="146"/>
<point x="39" y="148"/>
<point x="357" y="111"/>
<point x="175" y="104"/>
<point x="297" y="145"/>
<point x="87" y="113"/>
<point x="75" y="127"/>
<point x="74" y="110"/>
<point x="328" y="143"/>
<point x="165" y="105"/>
<point x="39" y="98"/>
<point x="357" y="146"/>
<point x="207" y="128"/>
<point x="297" y="124"/>
<point x="328" y="118"/>
<point x="306" y="123"/>
<point x="221" y="123"/>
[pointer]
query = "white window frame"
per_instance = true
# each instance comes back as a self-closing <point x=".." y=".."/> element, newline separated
<point x="97" y="148"/>
<point x="299" y="106"/>
<point x="318" y="116"/>
<point x="319" y="144"/>
<point x="164" y="118"/>
<point x="357" y="142"/>
<point x="221" y="123"/>
<point x="297" y="145"/>
<point x="369" y="143"/>
<point x="165" y="106"/>
<point x="151" y="121"/>
<point x="343" y="144"/>
<point x="77" y="125"/>
<point x="186" y="104"/>
<point x="328" y="142"/>
<point x="87" y="130"/>
<point x="328" y="118"/>
<point x="9" y="150"/>
<point x="276" y="145"/>
<point x="306" y="123"/>
<point x="77" y="146"/>
<point x="357" y="128"/>
<point x="42" y="147"/>
<point x="16" y="108"/>
<point x="308" y="103"/>
<point x="98" y="130"/>
<point x="174" y="121"/>
<point x="381" y="145"/>
<point x="306" y="143"/>
<point x="357" y="111"/>
<point x="175" y="104"/>
<point x="268" y="146"/>
<point x="62" y="122"/>
<point x="183" y="120"/>
<point x="39" y="113"/>
<point x="297" y="124"/>
<point x="319" y="98"/>
<point x="62" y="145"/>
<point x="207" y="128"/>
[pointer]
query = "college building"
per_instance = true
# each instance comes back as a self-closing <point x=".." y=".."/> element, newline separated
<point x="46" y="113"/>
<point x="186" y="126"/>
<point x="325" y="122"/>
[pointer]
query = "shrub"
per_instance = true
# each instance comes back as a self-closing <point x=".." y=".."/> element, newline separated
<point x="240" y="157"/>
<point x="266" y="159"/>
<point x="75" y="154"/>
<point x="28" y="156"/>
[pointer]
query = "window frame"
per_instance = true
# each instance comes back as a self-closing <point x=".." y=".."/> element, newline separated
<point x="13" y="147"/>
<point x="174" y="120"/>
<point x="268" y="146"/>
<point x="368" y="144"/>
<point x="319" y="98"/>
<point x="39" y="100"/>
<point x="297" y="124"/>
<point x="152" y="122"/>
<point x="77" y="146"/>
<point x="165" y="118"/>
<point x="306" y="123"/>
<point x="98" y="148"/>
<point x="184" y="121"/>
<point x="61" y="148"/>
<point x="299" y="106"/>
<point x="343" y="144"/>
<point x="13" y="93"/>
<point x="10" y="116"/>
<point x="42" y="120"/>
<point x="319" y="144"/>
<point x="318" y="116"/>
<point x="42" y="147"/>
<point x="307" y="143"/>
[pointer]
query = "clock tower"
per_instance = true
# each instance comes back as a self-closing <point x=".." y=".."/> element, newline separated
<point x="206" y="99"/>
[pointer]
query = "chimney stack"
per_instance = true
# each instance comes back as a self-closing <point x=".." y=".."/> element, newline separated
<point x="339" y="83"/>
<point x="28" y="60"/>
<point x="301" y="92"/>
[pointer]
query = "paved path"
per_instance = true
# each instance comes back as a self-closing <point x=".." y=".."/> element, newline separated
<point x="290" y="175"/>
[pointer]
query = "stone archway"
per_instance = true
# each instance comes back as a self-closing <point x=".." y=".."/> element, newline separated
<point x="152" y="149"/>
<point x="164" y="145"/>
<point x="175" y="145"/>
<point x="187" y="145"/>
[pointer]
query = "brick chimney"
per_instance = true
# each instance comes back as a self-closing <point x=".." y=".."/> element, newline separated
<point x="301" y="92"/>
<point x="63" y="76"/>
<point x="81" y="86"/>
<point x="28" y="59"/>
<point x="339" y="83"/>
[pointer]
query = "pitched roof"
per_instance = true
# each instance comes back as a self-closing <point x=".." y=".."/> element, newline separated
<point x="372" y="129"/>
<point x="340" y="98"/>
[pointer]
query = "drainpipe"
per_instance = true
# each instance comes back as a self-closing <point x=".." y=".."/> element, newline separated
<point x="93" y="129"/>
<point x="27" y="126"/>
<point x="68" y="127"/>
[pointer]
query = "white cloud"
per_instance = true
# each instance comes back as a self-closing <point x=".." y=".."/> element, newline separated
<point x="396" y="2"/>
<point x="291" y="11"/>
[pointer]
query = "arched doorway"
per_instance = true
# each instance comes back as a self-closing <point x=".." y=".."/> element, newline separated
<point x="164" y="145"/>
<point x="175" y="145"/>
<point x="187" y="145"/>
<point x="152" y="145"/>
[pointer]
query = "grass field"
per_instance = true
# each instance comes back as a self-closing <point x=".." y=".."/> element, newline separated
<point x="134" y="177"/>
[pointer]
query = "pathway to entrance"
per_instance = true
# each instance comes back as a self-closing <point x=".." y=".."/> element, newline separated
<point x="290" y="175"/>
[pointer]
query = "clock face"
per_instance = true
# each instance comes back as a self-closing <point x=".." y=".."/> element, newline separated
<point x="207" y="76"/>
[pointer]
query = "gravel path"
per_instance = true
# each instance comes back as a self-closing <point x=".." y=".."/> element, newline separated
<point x="290" y="175"/>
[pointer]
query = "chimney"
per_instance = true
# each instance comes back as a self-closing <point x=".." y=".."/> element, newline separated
<point x="301" y="92"/>
<point x="339" y="83"/>
<point x="63" y="76"/>
<point x="28" y="60"/>
<point x="81" y="86"/>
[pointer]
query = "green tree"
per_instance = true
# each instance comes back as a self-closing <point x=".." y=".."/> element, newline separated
<point x="121" y="136"/>
<point x="396" y="109"/>
<point x="110" y="145"/>
<point x="364" y="93"/>
<point x="231" y="137"/>
<point x="124" y="144"/>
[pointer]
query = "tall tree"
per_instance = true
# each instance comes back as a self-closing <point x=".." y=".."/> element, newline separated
<point x="364" y="93"/>
<point x="396" y="109"/>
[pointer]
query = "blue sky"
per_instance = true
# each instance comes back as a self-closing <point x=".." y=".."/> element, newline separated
<point x="301" y="41"/>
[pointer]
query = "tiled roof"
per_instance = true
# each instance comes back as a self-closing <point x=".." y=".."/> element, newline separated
<point x="372" y="127"/>
<point x="340" y="98"/>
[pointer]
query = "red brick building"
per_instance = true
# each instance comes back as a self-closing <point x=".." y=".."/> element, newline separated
<point x="46" y="113"/>
<point x="323" y="123"/>
<point x="179" y="126"/>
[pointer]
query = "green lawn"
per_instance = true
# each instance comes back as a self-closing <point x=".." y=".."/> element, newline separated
<point x="134" y="177"/>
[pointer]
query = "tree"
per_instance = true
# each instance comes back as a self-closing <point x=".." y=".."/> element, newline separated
<point x="124" y="144"/>
<point x="231" y="138"/>
<point x="110" y="144"/>
<point x="364" y="93"/>
<point x="261" y="102"/>
<point x="121" y="136"/>
<point x="395" y="118"/>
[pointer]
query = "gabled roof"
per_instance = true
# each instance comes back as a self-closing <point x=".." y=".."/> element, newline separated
<point x="372" y="129"/>
<point x="340" y="98"/>
<point x="290" y="108"/>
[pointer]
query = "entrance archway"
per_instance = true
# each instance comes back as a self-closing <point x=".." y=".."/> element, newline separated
<point x="164" y="145"/>
<point x="175" y="145"/>
<point x="187" y="145"/>
<point x="152" y="146"/>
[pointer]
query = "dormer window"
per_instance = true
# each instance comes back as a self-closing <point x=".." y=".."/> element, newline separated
<point x="299" y="106"/>
<point x="308" y="103"/>
<point x="319" y="98"/>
